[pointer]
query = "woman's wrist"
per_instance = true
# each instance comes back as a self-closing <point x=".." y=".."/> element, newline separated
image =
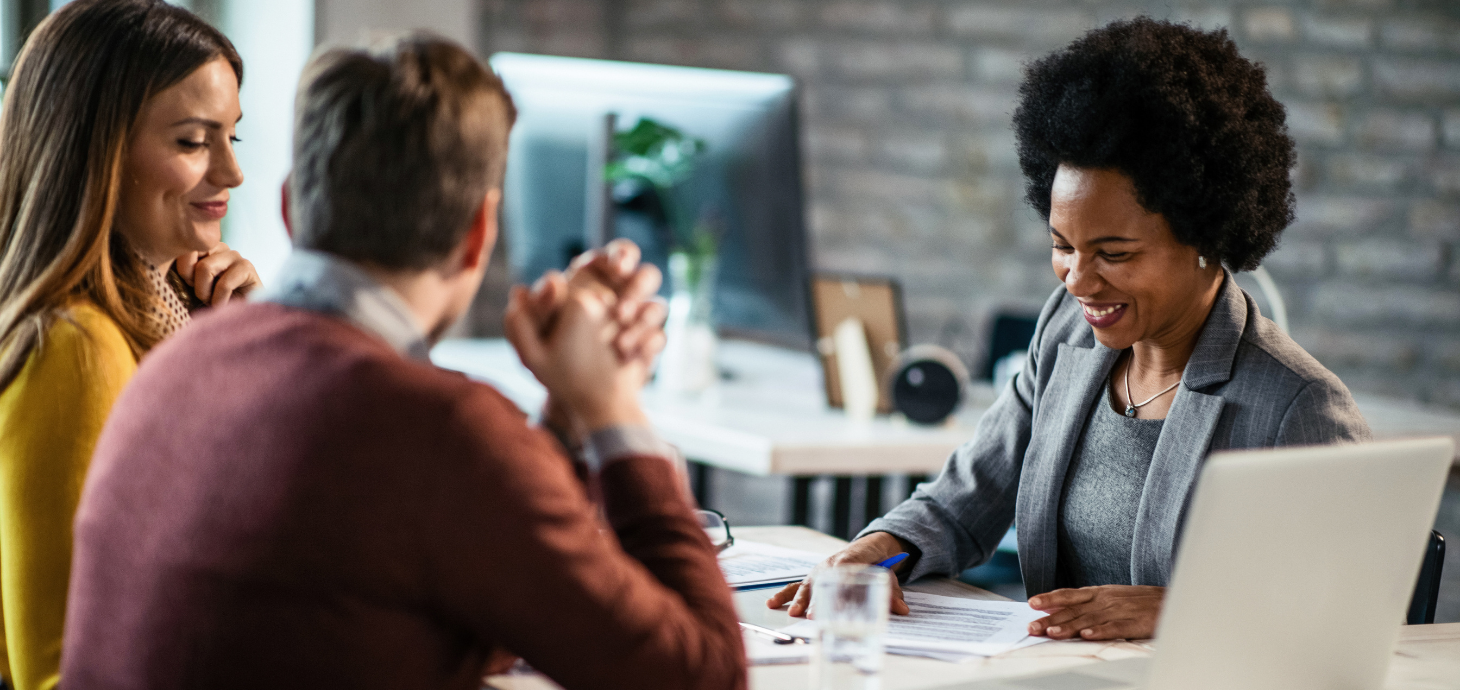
<point x="886" y="545"/>
<point x="880" y="546"/>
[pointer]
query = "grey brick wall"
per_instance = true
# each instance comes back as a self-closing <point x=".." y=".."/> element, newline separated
<point x="911" y="171"/>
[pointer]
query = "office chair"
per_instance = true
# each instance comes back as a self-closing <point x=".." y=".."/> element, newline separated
<point x="1009" y="332"/>
<point x="1427" y="590"/>
<point x="1274" y="297"/>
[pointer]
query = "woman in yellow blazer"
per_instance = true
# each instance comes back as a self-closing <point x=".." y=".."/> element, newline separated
<point x="116" y="157"/>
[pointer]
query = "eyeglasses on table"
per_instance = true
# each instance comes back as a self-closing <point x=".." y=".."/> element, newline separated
<point x="717" y="528"/>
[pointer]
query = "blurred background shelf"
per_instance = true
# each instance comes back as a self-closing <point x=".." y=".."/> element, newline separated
<point x="768" y="415"/>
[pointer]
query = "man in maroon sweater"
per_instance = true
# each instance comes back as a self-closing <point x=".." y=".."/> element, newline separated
<point x="288" y="494"/>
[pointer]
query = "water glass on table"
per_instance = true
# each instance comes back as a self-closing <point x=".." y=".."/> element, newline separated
<point x="849" y="605"/>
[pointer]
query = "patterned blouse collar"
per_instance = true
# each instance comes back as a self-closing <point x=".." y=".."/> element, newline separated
<point x="173" y="314"/>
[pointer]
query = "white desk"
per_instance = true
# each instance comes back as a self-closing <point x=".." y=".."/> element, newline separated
<point x="1427" y="657"/>
<point x="903" y="671"/>
<point x="771" y="416"/>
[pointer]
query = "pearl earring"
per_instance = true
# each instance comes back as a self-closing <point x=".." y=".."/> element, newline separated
<point x="1201" y="261"/>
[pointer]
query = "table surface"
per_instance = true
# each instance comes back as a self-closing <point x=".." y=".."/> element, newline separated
<point x="770" y="416"/>
<point x="1426" y="658"/>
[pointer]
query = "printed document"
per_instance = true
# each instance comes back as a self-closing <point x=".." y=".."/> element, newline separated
<point x="750" y="564"/>
<point x="951" y="628"/>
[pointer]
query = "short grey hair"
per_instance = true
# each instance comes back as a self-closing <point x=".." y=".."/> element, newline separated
<point x="395" y="147"/>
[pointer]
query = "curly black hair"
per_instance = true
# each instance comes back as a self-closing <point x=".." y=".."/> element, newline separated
<point x="1180" y="112"/>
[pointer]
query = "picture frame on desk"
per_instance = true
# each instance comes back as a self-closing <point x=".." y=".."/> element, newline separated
<point x="874" y="300"/>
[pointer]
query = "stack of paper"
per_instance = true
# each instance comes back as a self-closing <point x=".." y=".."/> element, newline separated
<point x="752" y="565"/>
<point x="951" y="629"/>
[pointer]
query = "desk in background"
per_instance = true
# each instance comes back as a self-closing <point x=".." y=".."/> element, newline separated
<point x="769" y="417"/>
<point x="1427" y="657"/>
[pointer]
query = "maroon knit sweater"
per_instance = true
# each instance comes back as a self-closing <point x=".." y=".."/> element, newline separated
<point x="279" y="500"/>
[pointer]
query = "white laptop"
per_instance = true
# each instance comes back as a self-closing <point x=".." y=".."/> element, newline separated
<point x="1294" y="572"/>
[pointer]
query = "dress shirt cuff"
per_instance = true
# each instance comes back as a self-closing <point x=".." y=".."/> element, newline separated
<point x="607" y="445"/>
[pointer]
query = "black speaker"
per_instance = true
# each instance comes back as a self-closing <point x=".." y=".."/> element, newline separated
<point x="927" y="384"/>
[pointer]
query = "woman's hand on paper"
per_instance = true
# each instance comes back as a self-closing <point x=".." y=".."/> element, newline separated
<point x="873" y="548"/>
<point x="1111" y="612"/>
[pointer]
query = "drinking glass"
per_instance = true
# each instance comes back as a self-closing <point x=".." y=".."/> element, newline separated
<point x="849" y="605"/>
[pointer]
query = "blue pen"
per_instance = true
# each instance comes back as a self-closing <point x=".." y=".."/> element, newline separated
<point x="893" y="561"/>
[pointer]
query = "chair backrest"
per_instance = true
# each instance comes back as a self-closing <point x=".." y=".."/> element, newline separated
<point x="1427" y="589"/>
<point x="1008" y="333"/>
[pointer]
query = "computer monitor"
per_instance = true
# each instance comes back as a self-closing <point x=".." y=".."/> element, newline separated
<point x="748" y="180"/>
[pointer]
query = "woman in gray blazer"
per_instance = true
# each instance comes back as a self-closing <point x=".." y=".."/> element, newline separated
<point x="1160" y="161"/>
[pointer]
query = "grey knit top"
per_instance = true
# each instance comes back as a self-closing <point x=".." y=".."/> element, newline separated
<point x="1102" y="492"/>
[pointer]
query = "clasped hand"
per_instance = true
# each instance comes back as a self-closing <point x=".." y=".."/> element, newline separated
<point x="217" y="274"/>
<point x="590" y="335"/>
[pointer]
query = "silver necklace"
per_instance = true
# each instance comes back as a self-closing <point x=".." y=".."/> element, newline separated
<point x="1130" y="410"/>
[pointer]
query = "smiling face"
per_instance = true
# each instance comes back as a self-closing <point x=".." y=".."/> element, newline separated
<point x="180" y="165"/>
<point x="1134" y="280"/>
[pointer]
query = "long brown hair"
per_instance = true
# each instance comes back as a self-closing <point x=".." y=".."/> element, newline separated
<point x="78" y="88"/>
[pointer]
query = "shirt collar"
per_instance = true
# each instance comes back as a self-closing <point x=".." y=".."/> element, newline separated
<point x="172" y="314"/>
<point x="1215" y="354"/>
<point x="328" y="284"/>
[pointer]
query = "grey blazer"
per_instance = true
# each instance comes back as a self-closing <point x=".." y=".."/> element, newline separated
<point x="1247" y="385"/>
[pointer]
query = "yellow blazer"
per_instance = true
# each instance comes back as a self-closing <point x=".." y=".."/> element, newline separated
<point x="50" y="418"/>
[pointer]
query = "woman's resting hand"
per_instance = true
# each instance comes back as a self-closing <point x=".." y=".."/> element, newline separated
<point x="873" y="548"/>
<point x="218" y="275"/>
<point x="1111" y="612"/>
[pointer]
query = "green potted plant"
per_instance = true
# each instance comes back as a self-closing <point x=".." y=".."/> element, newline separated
<point x="657" y="159"/>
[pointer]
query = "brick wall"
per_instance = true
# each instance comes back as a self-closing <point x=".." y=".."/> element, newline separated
<point x="911" y="171"/>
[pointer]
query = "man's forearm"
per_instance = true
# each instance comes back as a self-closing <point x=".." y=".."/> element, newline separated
<point x="651" y="516"/>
